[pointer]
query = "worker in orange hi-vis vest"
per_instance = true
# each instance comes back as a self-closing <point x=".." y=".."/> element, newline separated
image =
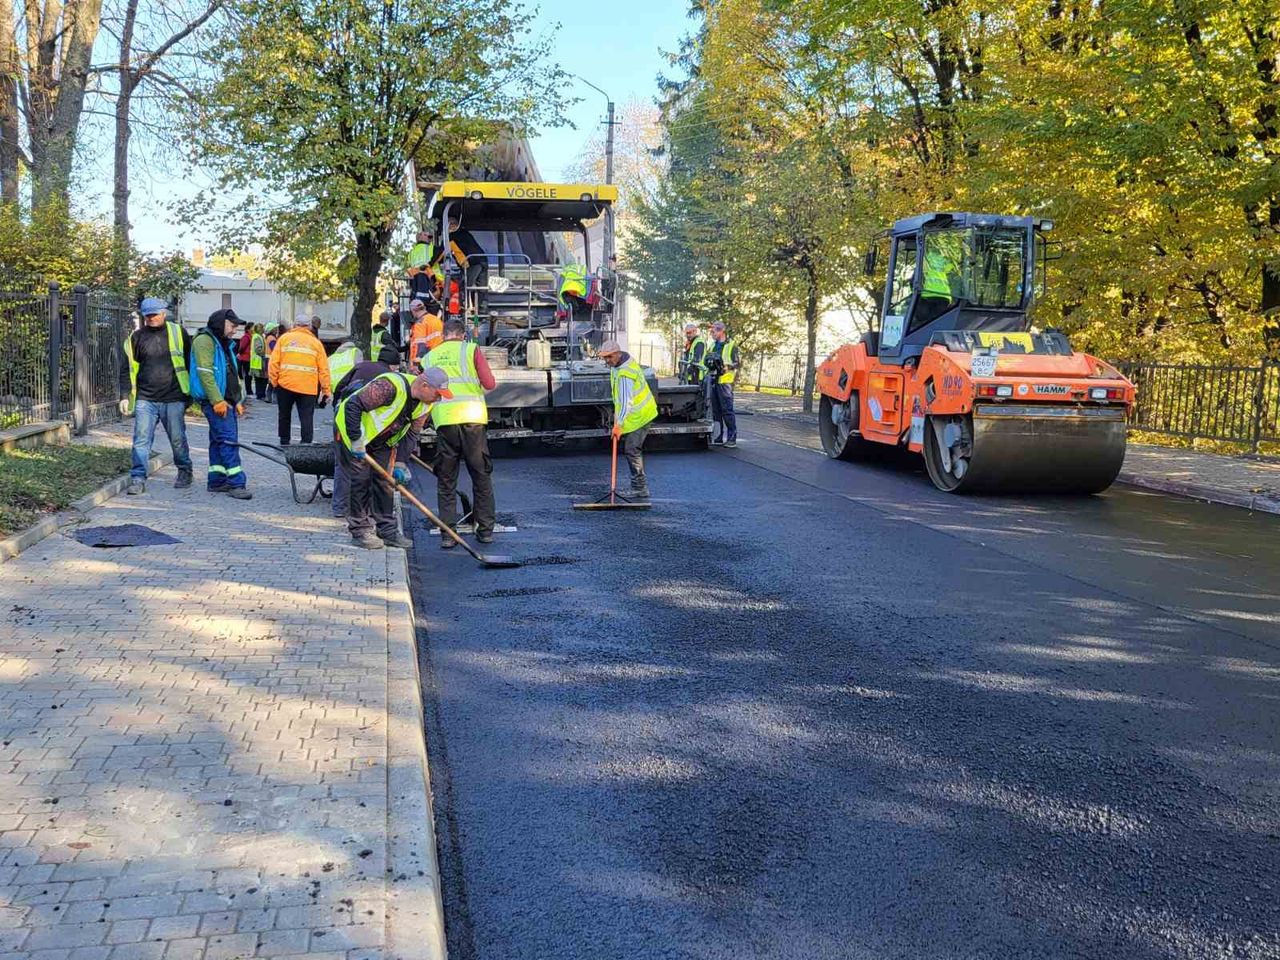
<point x="426" y="334"/>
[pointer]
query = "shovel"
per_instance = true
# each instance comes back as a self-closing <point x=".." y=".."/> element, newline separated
<point x="466" y="501"/>
<point x="613" y="500"/>
<point x="493" y="563"/>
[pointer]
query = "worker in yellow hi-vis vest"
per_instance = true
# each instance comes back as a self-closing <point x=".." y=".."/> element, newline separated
<point x="460" y="424"/>
<point x="634" y="408"/>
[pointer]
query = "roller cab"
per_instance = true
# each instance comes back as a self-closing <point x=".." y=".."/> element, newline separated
<point x="954" y="373"/>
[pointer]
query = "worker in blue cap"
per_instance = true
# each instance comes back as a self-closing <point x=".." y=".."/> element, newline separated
<point x="158" y="354"/>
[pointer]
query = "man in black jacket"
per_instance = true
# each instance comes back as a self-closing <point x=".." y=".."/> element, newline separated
<point x="158" y="357"/>
<point x="364" y="371"/>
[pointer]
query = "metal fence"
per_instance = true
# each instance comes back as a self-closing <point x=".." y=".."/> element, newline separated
<point x="1232" y="404"/>
<point x="60" y="356"/>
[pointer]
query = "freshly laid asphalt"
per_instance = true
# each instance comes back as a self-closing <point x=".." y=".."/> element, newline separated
<point x="808" y="709"/>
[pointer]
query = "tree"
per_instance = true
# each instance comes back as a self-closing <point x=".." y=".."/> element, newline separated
<point x="45" y="79"/>
<point x="140" y="57"/>
<point x="169" y="276"/>
<point x="327" y="101"/>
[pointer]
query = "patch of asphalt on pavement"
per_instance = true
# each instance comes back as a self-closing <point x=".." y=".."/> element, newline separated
<point x="761" y="720"/>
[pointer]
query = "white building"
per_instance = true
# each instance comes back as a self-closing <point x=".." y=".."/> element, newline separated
<point x="256" y="300"/>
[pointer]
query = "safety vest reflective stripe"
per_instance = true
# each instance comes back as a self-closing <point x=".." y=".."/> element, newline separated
<point x="297" y="366"/>
<point x="255" y="360"/>
<point x="643" y="407"/>
<point x="458" y="360"/>
<point x="373" y="422"/>
<point x="176" y="356"/>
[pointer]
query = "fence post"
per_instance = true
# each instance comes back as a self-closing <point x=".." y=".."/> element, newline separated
<point x="760" y="373"/>
<point x="1259" y="406"/>
<point x="55" y="351"/>
<point x="795" y="374"/>
<point x="82" y="389"/>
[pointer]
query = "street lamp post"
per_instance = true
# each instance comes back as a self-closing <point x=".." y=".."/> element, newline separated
<point x="608" y="163"/>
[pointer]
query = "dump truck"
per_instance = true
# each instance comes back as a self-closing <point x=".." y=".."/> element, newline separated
<point x="956" y="372"/>
<point x="515" y="264"/>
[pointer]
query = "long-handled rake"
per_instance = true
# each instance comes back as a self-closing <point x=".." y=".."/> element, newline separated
<point x="613" y="500"/>
<point x="492" y="562"/>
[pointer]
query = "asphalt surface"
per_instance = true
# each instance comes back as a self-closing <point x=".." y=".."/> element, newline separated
<point x="807" y="709"/>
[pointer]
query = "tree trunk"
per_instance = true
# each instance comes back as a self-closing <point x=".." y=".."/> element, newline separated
<point x="120" y="187"/>
<point x="56" y="134"/>
<point x="128" y="81"/>
<point x="9" y="149"/>
<point x="370" y="250"/>
<point x="811" y="334"/>
<point x="1271" y="292"/>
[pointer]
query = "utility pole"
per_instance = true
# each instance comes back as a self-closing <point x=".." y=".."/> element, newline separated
<point x="610" y="123"/>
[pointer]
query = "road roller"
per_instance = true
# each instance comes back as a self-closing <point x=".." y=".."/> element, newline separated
<point x="956" y="372"/>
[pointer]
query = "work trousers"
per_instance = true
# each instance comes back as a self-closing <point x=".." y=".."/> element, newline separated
<point x="259" y="387"/>
<point x="454" y="444"/>
<point x="225" y="471"/>
<point x="370" y="502"/>
<point x="341" y="483"/>
<point x="722" y="410"/>
<point x="633" y="448"/>
<point x="246" y="375"/>
<point x="286" y="400"/>
<point x="147" y="415"/>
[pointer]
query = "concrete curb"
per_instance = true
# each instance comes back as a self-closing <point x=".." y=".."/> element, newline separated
<point x="415" y="904"/>
<point x="1254" y="502"/>
<point x="11" y="546"/>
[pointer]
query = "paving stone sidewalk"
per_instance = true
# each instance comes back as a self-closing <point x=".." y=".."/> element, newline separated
<point x="202" y="745"/>
<point x="1250" y="482"/>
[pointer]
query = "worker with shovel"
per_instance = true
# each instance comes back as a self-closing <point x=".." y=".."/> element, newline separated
<point x="634" y="408"/>
<point x="388" y="409"/>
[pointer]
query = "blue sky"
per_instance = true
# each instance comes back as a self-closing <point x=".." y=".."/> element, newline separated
<point x="617" y="46"/>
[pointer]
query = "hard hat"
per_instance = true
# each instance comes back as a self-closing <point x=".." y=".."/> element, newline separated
<point x="609" y="347"/>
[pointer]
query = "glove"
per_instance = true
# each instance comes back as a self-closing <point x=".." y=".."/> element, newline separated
<point x="357" y="450"/>
<point x="617" y="431"/>
<point x="221" y="408"/>
<point x="401" y="474"/>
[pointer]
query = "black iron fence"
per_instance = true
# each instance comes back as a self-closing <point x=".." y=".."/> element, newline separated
<point x="1233" y="404"/>
<point x="60" y="356"/>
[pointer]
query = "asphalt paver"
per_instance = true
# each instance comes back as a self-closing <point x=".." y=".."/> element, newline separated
<point x="809" y="709"/>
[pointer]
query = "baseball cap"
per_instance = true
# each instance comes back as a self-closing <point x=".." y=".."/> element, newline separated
<point x="438" y="380"/>
<point x="151" y="306"/>
<point x="608" y="347"/>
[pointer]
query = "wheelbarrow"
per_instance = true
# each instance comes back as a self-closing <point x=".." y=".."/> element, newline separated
<point x="312" y="460"/>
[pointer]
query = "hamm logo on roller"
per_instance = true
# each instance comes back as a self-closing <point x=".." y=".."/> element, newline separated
<point x="1051" y="388"/>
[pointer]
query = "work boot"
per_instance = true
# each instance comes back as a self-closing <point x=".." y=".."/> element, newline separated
<point x="368" y="541"/>
<point x="730" y="444"/>
<point x="717" y="441"/>
<point x="639" y="493"/>
<point x="239" y="493"/>
<point x="136" y="486"/>
<point x="398" y="540"/>
<point x="485" y="536"/>
<point x="447" y="542"/>
<point x="183" y="481"/>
